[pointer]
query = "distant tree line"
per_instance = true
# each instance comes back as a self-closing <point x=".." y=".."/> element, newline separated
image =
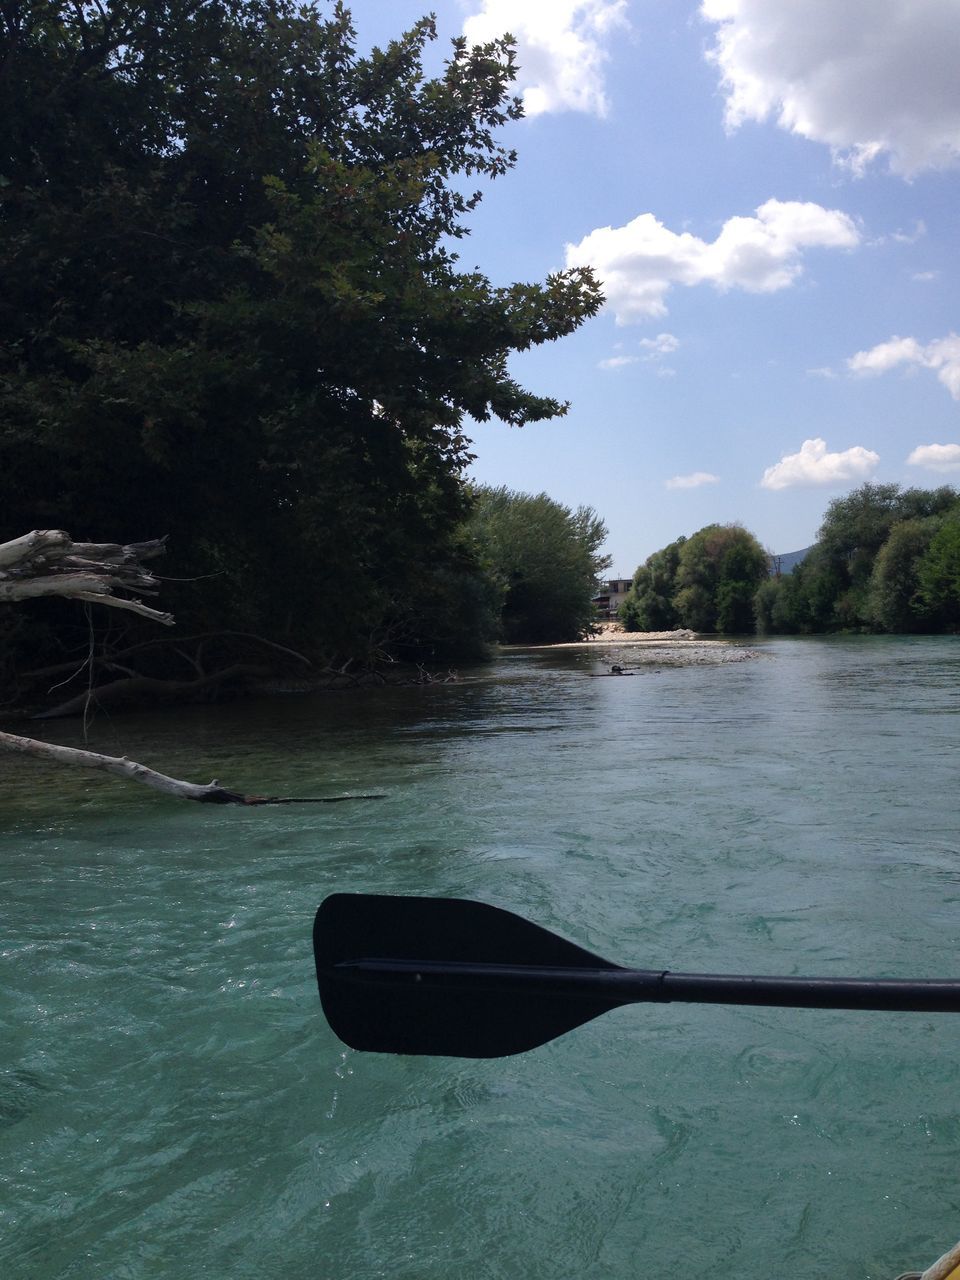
<point x="886" y="559"/>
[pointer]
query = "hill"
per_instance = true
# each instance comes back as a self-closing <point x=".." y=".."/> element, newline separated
<point x="788" y="560"/>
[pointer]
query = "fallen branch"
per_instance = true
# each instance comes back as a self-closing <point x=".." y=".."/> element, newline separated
<point x="111" y="659"/>
<point x="137" y="688"/>
<point x="208" y="793"/>
<point x="39" y="543"/>
<point x="47" y="562"/>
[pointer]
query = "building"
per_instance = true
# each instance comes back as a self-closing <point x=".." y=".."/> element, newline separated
<point x="610" y="597"/>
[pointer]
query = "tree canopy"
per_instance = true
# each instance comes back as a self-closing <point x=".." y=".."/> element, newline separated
<point x="544" y="559"/>
<point x="232" y="310"/>
<point x="705" y="582"/>
<point x="938" y="573"/>
<point x="883" y="561"/>
<point x="649" y="604"/>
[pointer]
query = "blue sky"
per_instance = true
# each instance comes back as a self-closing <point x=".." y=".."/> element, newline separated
<point x="769" y="191"/>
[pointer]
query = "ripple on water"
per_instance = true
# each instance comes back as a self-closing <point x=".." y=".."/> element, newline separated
<point x="171" y="1102"/>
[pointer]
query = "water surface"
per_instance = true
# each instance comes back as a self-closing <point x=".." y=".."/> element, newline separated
<point x="173" y="1104"/>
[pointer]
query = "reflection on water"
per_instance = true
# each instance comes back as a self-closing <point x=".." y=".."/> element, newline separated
<point x="172" y="1103"/>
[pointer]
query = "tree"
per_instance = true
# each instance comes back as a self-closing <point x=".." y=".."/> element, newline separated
<point x="649" y="604"/>
<point x="231" y="308"/>
<point x="794" y="602"/>
<point x="895" y="602"/>
<point x="938" y="572"/>
<point x="743" y="567"/>
<point x="856" y="526"/>
<point x="720" y="568"/>
<point x="545" y="560"/>
<point x="854" y="529"/>
<point x="766" y="602"/>
<point x="862" y="573"/>
<point x="706" y="582"/>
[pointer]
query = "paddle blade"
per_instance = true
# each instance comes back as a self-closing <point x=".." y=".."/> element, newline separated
<point x="468" y="1022"/>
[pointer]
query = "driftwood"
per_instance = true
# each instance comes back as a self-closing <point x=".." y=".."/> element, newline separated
<point x="47" y="562"/>
<point x="208" y="793"/>
<point x="211" y="793"/>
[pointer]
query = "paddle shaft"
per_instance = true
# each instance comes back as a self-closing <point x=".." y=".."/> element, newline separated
<point x="631" y="986"/>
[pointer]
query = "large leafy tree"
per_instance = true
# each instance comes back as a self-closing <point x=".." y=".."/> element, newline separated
<point x="706" y="582"/>
<point x="720" y="568"/>
<point x="938" y="573"/>
<point x="544" y="558"/>
<point x="232" y="311"/>
<point x="895" y="602"/>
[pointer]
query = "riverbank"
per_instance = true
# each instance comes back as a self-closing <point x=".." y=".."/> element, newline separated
<point x="613" y="633"/>
<point x="648" y="650"/>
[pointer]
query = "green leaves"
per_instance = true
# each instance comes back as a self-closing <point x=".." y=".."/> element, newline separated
<point x="545" y="559"/>
<point x="706" y="582"/>
<point x="649" y="605"/>
<point x="230" y="309"/>
<point x="938" y="572"/>
<point x="887" y="559"/>
<point x="883" y="563"/>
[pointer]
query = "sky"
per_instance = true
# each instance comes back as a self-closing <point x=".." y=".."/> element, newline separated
<point x="769" y="192"/>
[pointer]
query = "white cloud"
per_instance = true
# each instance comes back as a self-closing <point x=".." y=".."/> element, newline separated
<point x="823" y="372"/>
<point x="911" y="237"/>
<point x="618" y="362"/>
<point x="655" y="350"/>
<point x="640" y="262"/>
<point x="693" y="481"/>
<point x="664" y="344"/>
<point x="559" y="48"/>
<point x="870" y="78"/>
<point x="886" y="355"/>
<point x="924" y="277"/>
<point x="936" y="457"/>
<point x="813" y="465"/>
<point x="941" y="355"/>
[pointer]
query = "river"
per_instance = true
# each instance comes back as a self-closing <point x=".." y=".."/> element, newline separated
<point x="173" y="1104"/>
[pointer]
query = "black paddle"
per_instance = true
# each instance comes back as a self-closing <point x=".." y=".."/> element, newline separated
<point x="463" y="979"/>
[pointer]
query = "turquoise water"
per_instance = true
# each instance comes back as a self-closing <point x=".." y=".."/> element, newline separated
<point x="172" y="1103"/>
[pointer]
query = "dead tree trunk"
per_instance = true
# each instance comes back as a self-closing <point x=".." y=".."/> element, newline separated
<point x="211" y="793"/>
<point x="47" y="562"/>
<point x="121" y="767"/>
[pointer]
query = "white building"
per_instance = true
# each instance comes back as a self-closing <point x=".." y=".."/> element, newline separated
<point x="610" y="597"/>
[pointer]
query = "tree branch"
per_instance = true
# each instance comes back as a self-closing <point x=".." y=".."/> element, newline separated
<point x="47" y="562"/>
<point x="211" y="793"/>
<point x="121" y="767"/>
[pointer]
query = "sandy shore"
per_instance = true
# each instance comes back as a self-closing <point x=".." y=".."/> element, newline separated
<point x="656" y="650"/>
<point x="611" y="633"/>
